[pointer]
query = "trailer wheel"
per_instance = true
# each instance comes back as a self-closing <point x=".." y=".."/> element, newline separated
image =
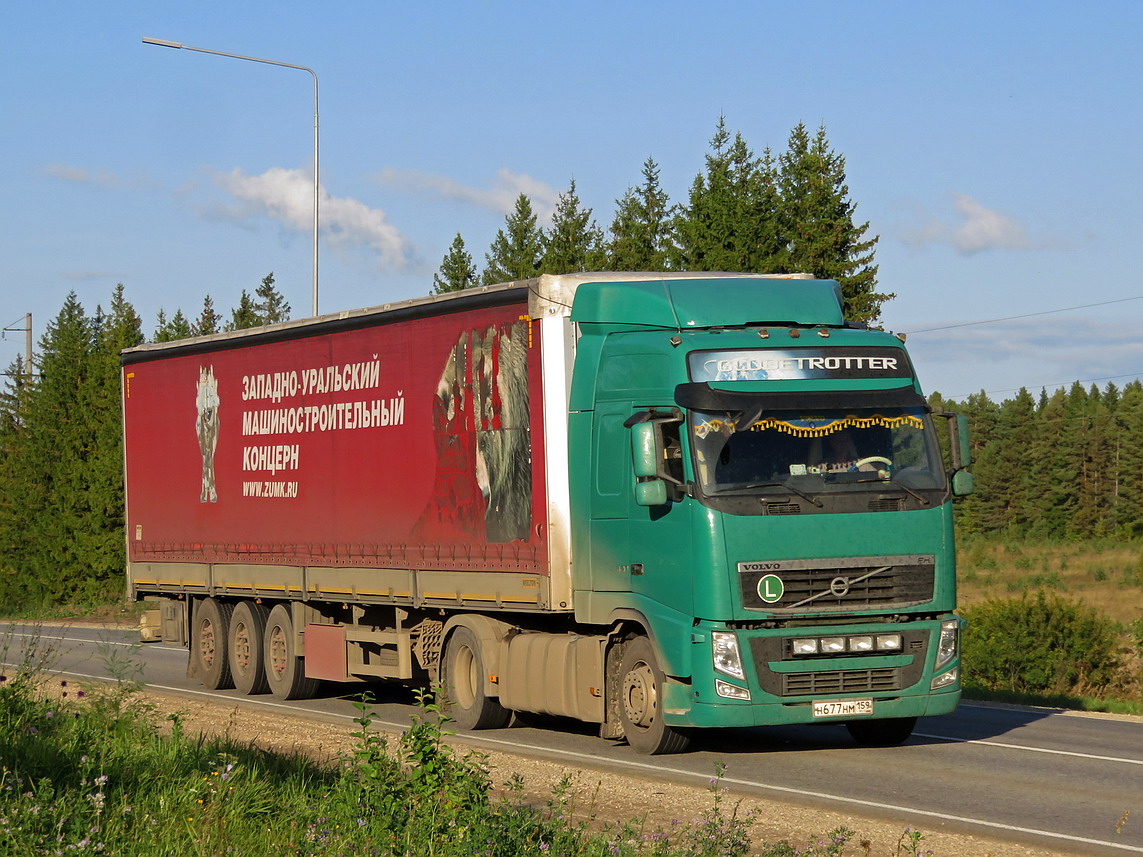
<point x="640" y="707"/>
<point x="247" y="663"/>
<point x="881" y="733"/>
<point x="285" y="669"/>
<point x="468" y="705"/>
<point x="211" y="633"/>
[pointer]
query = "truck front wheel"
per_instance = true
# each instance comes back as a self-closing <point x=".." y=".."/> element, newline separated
<point x="285" y="669"/>
<point x="211" y="637"/>
<point x="468" y="705"/>
<point x="640" y="703"/>
<point x="247" y="664"/>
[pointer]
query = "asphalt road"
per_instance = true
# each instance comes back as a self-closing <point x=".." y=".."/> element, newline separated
<point x="1041" y="777"/>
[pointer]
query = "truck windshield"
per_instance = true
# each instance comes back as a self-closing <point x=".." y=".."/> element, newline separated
<point x="815" y="453"/>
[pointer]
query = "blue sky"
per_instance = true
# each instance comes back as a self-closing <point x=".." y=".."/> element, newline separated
<point x="994" y="147"/>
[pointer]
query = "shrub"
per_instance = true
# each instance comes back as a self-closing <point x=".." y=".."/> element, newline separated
<point x="1040" y="644"/>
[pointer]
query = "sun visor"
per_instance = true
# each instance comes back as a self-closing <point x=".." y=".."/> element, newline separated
<point x="701" y="396"/>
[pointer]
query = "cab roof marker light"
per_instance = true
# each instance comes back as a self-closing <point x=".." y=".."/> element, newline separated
<point x="823" y="333"/>
<point x="763" y="334"/>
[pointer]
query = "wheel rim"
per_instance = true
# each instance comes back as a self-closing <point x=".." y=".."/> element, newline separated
<point x="240" y="651"/>
<point x="207" y="645"/>
<point x="278" y="651"/>
<point x="639" y="696"/>
<point x="464" y="678"/>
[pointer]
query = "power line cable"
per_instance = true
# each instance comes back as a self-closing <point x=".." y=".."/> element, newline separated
<point x="1025" y="315"/>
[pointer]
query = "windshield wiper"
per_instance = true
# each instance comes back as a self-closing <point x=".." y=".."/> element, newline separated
<point x="893" y="481"/>
<point x="785" y="485"/>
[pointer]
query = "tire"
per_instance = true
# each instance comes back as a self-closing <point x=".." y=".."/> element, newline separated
<point x="463" y="682"/>
<point x="211" y="641"/>
<point x="247" y="633"/>
<point x="881" y="733"/>
<point x="640" y="710"/>
<point x="285" y="669"/>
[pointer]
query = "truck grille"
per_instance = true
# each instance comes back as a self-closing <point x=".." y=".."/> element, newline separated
<point x="835" y="585"/>
<point x="841" y="681"/>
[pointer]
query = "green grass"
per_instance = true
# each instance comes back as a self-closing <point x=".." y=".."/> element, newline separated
<point x="103" y="773"/>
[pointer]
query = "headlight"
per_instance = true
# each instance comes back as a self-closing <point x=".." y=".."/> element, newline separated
<point x="947" y="645"/>
<point x="861" y="644"/>
<point x="726" y="655"/>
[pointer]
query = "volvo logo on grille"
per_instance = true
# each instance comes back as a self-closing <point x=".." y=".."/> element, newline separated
<point x="839" y="587"/>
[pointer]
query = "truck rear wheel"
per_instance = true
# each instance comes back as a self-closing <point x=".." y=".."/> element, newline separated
<point x="247" y="664"/>
<point x="211" y="637"/>
<point x="285" y="669"/>
<point x="881" y="733"/>
<point x="640" y="704"/>
<point x="468" y="705"/>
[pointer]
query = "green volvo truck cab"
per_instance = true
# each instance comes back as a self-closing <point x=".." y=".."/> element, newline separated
<point x="760" y="487"/>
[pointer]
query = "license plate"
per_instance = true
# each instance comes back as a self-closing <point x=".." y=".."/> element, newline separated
<point x="843" y="708"/>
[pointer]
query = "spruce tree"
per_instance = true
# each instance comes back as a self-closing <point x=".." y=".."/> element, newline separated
<point x="731" y="220"/>
<point x="168" y="330"/>
<point x="271" y="307"/>
<point x="573" y="243"/>
<point x="18" y="589"/>
<point x="60" y="437"/>
<point x="516" y="250"/>
<point x="817" y="221"/>
<point x="102" y="532"/>
<point x="1128" y="495"/>
<point x="457" y="270"/>
<point x="640" y="231"/>
<point x="208" y="320"/>
<point x="245" y="315"/>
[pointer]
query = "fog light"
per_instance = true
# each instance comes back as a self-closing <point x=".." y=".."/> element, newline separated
<point x="888" y="642"/>
<point x="730" y="691"/>
<point x="861" y="644"/>
<point x="832" y="645"/>
<point x="945" y="679"/>
<point x="805" y="647"/>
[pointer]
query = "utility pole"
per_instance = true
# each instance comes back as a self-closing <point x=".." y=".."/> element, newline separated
<point x="27" y="329"/>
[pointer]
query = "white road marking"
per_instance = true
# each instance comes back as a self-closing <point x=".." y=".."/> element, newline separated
<point x="1029" y="749"/>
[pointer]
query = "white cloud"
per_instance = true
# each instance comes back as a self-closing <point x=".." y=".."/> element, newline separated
<point x="975" y="229"/>
<point x="82" y="175"/>
<point x="985" y="229"/>
<point x="287" y="197"/>
<point x="500" y="197"/>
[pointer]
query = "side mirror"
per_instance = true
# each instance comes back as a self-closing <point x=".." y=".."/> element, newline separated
<point x="653" y="492"/>
<point x="962" y="483"/>
<point x="960" y="453"/>
<point x="645" y="454"/>
<point x="645" y="457"/>
<point x="961" y="445"/>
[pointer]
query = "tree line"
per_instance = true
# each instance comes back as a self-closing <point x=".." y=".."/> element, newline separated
<point x="61" y="447"/>
<point x="789" y="213"/>
<point x="1065" y="465"/>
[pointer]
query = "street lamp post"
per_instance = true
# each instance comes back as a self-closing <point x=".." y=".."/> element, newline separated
<point x="165" y="44"/>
